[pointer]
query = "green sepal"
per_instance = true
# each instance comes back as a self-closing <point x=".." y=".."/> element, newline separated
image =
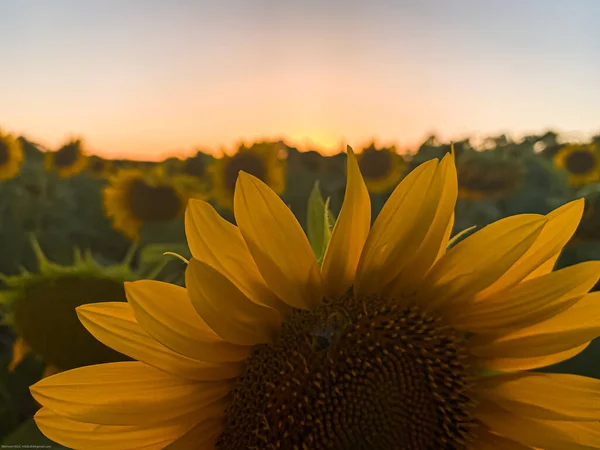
<point x="320" y="222"/>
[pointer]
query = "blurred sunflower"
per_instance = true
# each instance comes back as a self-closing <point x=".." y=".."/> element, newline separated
<point x="336" y="164"/>
<point x="68" y="160"/>
<point x="582" y="162"/>
<point x="589" y="229"/>
<point x="134" y="197"/>
<point x="312" y="161"/>
<point x="194" y="174"/>
<point x="42" y="313"/>
<point x="382" y="169"/>
<point x="11" y="156"/>
<point x="195" y="166"/>
<point x="394" y="343"/>
<point x="483" y="176"/>
<point x="263" y="160"/>
<point x="99" y="167"/>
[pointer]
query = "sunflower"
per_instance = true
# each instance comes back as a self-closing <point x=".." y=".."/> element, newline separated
<point x="193" y="174"/>
<point x="483" y="176"/>
<point x="41" y="310"/>
<point x="11" y="156"/>
<point x="196" y="166"/>
<point x="263" y="160"/>
<point x="588" y="229"/>
<point x="394" y="342"/>
<point x="382" y="168"/>
<point x="68" y="160"/>
<point x="336" y="164"/>
<point x="312" y="161"/>
<point x="582" y="162"/>
<point x="134" y="197"/>
<point x="99" y="167"/>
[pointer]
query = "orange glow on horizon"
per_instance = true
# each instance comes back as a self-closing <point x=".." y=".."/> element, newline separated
<point x="321" y="142"/>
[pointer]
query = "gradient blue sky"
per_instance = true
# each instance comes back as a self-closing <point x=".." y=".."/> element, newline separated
<point x="145" y="78"/>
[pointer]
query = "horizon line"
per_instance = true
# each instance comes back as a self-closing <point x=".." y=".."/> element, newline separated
<point x="306" y="144"/>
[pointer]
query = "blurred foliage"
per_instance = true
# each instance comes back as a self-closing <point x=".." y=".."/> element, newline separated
<point x="498" y="177"/>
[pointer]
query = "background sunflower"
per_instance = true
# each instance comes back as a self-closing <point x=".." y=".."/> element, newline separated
<point x="311" y="161"/>
<point x="484" y="175"/>
<point x="68" y="160"/>
<point x="581" y="161"/>
<point x="196" y="166"/>
<point x="11" y="156"/>
<point x="99" y="167"/>
<point x="193" y="174"/>
<point x="382" y="168"/>
<point x="264" y="160"/>
<point x="41" y="309"/>
<point x="135" y="197"/>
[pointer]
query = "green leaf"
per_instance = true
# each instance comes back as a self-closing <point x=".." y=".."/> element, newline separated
<point x="320" y="222"/>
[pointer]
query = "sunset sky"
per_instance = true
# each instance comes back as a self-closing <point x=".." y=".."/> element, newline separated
<point x="147" y="78"/>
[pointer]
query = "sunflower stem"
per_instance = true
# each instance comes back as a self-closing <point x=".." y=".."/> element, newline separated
<point x="157" y="269"/>
<point x="130" y="254"/>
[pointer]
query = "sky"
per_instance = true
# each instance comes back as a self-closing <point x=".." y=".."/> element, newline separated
<point x="144" y="79"/>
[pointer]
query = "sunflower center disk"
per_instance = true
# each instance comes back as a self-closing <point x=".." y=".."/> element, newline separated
<point x="153" y="203"/>
<point x="355" y="373"/>
<point x="375" y="164"/>
<point x="249" y="162"/>
<point x="66" y="156"/>
<point x="580" y="162"/>
<point x="4" y="153"/>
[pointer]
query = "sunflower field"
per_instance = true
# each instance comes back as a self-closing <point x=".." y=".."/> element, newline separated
<point x="76" y="228"/>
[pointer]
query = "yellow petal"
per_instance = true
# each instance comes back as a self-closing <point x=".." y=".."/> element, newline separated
<point x="20" y="351"/>
<point x="202" y="437"/>
<point x="529" y="302"/>
<point x="515" y="364"/>
<point x="571" y="328"/>
<point x="565" y="236"/>
<point x="559" y="229"/>
<point x="114" y="324"/>
<point x="165" y="312"/>
<point x="125" y="393"/>
<point x="220" y="244"/>
<point x="479" y="260"/>
<point x="538" y="433"/>
<point x="80" y="435"/>
<point x="277" y="243"/>
<point x="545" y="396"/>
<point x="225" y="309"/>
<point x="399" y="230"/>
<point x="443" y="193"/>
<point x="486" y="440"/>
<point x="446" y="239"/>
<point x="349" y="234"/>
